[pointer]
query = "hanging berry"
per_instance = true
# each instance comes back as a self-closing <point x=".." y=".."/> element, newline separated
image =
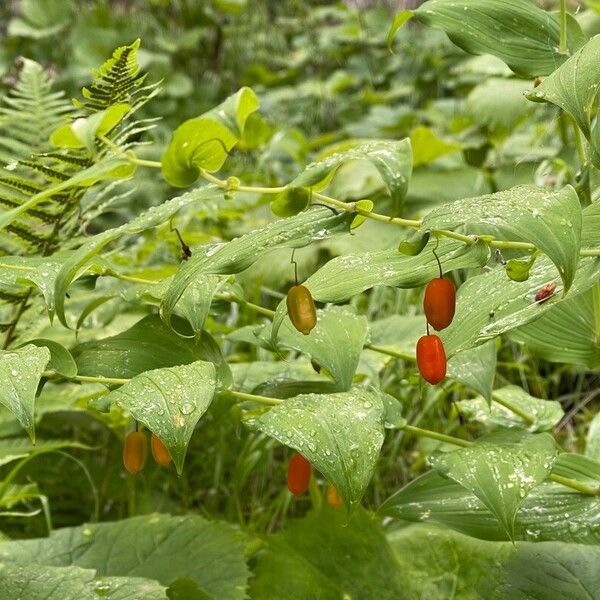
<point x="298" y="474"/>
<point x="333" y="497"/>
<point x="159" y="451"/>
<point x="135" y="451"/>
<point x="439" y="302"/>
<point x="301" y="309"/>
<point x="431" y="358"/>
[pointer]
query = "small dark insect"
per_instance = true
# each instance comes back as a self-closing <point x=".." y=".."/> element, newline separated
<point x="545" y="292"/>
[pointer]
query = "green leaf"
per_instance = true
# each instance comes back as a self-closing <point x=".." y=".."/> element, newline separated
<point x="36" y="582"/>
<point x="82" y="132"/>
<point x="592" y="444"/>
<point x="438" y="563"/>
<point x="20" y="372"/>
<point x="498" y="103"/>
<point x="205" y="142"/>
<point x="524" y="36"/>
<point x="393" y="161"/>
<point x="149" y="344"/>
<point x="400" y="19"/>
<point x="346" y="276"/>
<point x="340" y="434"/>
<point x="552" y="571"/>
<point x="337" y="327"/>
<point x="160" y="547"/>
<point x="427" y="146"/>
<point x="501" y="469"/>
<point x="329" y="557"/>
<point x="518" y="269"/>
<point x="169" y="402"/>
<point x="61" y="360"/>
<point x="414" y="243"/>
<point x="436" y="499"/>
<point x="290" y="202"/>
<point x="546" y="413"/>
<point x="565" y="334"/>
<point x="551" y="220"/>
<point x="475" y="368"/>
<point x="17" y="448"/>
<point x="153" y="217"/>
<point x="240" y="253"/>
<point x="574" y="85"/>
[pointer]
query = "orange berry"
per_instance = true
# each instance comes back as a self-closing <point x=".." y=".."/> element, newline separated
<point x="298" y="474"/>
<point x="159" y="451"/>
<point x="333" y="497"/>
<point x="135" y="451"/>
<point x="301" y="309"/>
<point x="431" y="358"/>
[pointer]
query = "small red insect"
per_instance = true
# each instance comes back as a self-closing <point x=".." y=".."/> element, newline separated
<point x="298" y="474"/>
<point x="545" y="292"/>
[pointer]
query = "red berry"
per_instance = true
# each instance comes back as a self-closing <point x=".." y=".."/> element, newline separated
<point x="159" y="451"/>
<point x="298" y="474"/>
<point x="135" y="451"/>
<point x="431" y="358"/>
<point x="439" y="302"/>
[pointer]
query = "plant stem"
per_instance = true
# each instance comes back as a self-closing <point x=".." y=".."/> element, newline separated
<point x="562" y="45"/>
<point x="440" y="437"/>
<point x="241" y="188"/>
<point x="267" y="312"/>
<point x="86" y="378"/>
<point x="576" y="485"/>
<point x="391" y="352"/>
<point x="514" y="409"/>
<point x="596" y="306"/>
<point x="254" y="398"/>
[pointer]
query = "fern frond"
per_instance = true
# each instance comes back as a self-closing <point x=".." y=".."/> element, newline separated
<point x="117" y="80"/>
<point x="29" y="113"/>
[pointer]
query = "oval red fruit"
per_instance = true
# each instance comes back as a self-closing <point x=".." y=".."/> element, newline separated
<point x="439" y="302"/>
<point x="159" y="451"/>
<point x="135" y="451"/>
<point x="301" y="309"/>
<point x="298" y="474"/>
<point x="431" y="358"/>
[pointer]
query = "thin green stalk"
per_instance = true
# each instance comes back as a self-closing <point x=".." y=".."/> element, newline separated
<point x="266" y="400"/>
<point x="596" y="305"/>
<point x="86" y="378"/>
<point x="267" y="312"/>
<point x="514" y="409"/>
<point x="440" y="437"/>
<point x="562" y="44"/>
<point x="391" y="352"/>
<point x="576" y="485"/>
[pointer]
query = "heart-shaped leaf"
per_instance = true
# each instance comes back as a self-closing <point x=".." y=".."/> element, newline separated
<point x="169" y="402"/>
<point x="501" y="469"/>
<point x="340" y="434"/>
<point x="20" y="372"/>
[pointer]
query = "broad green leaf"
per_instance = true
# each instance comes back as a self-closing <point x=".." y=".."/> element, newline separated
<point x="475" y="368"/>
<point x="551" y="220"/>
<point x="61" y="360"/>
<point x="151" y="218"/>
<point x="399" y="20"/>
<point x="500" y="469"/>
<point x="439" y="563"/>
<point x="163" y="548"/>
<point x="169" y="402"/>
<point x="595" y="150"/>
<point x="545" y="413"/>
<point x="592" y="445"/>
<point x="36" y="582"/>
<point x="524" y="36"/>
<point x="564" y="334"/>
<point x="393" y="161"/>
<point x="574" y="85"/>
<point x="427" y="146"/>
<point x="111" y="168"/>
<point x="20" y="372"/>
<point x="398" y="333"/>
<point x="205" y="142"/>
<point x="82" y="132"/>
<point x="414" y="243"/>
<point x="149" y="344"/>
<point x="340" y="434"/>
<point x="247" y="377"/>
<point x="498" y="103"/>
<point x="290" y="202"/>
<point x="326" y="556"/>
<point x="337" y="327"/>
<point x="346" y="276"/>
<point x="437" y="499"/>
<point x="240" y="253"/>
<point x="552" y="571"/>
